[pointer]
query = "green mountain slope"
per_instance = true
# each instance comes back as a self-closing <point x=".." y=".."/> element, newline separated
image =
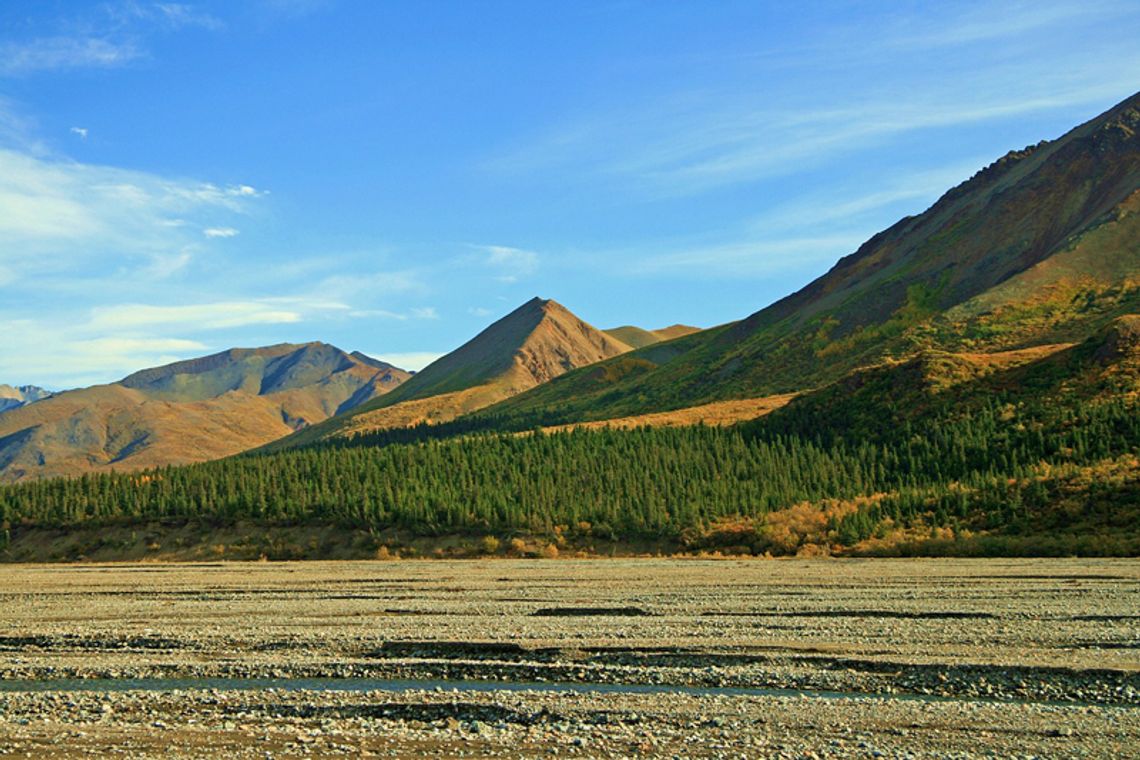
<point x="1041" y="246"/>
<point x="1028" y="452"/>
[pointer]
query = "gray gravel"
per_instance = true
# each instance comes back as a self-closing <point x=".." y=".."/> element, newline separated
<point x="929" y="658"/>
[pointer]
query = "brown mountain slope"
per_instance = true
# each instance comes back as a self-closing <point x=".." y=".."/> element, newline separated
<point x="716" y="414"/>
<point x="1042" y="246"/>
<point x="16" y="396"/>
<point x="189" y="411"/>
<point x="535" y="343"/>
<point x="636" y="337"/>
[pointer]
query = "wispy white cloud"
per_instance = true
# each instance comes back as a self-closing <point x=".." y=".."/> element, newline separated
<point x="747" y="258"/>
<point x="747" y="146"/>
<point x="960" y="24"/>
<point x="89" y="239"/>
<point x="105" y="36"/>
<point x="510" y="264"/>
<point x="80" y="131"/>
<point x="129" y="346"/>
<point x="365" y="285"/>
<point x="180" y="15"/>
<point x="204" y="316"/>
<point x="163" y="265"/>
<point x="102" y="343"/>
<point x="686" y="142"/>
<point x="377" y="314"/>
<point x="62" y="52"/>
<point x="842" y="204"/>
<point x="56" y="212"/>
<point x="424" y="312"/>
<point x="479" y="311"/>
<point x="62" y="354"/>
<point x="219" y="232"/>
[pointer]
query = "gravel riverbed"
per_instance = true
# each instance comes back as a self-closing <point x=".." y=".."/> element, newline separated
<point x="596" y="658"/>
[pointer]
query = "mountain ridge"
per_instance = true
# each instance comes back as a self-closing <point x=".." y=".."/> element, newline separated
<point x="965" y="382"/>
<point x="14" y="396"/>
<point x="1074" y="198"/>
<point x="534" y="343"/>
<point x="188" y="411"/>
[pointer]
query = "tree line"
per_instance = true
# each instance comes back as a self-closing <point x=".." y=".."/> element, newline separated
<point x="978" y="468"/>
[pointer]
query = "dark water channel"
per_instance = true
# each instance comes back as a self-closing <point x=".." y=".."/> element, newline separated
<point x="96" y="685"/>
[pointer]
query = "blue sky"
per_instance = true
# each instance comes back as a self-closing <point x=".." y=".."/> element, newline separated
<point x="177" y="179"/>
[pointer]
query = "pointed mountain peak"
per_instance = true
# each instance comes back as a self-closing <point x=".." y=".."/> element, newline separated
<point x="539" y="340"/>
<point x="537" y="307"/>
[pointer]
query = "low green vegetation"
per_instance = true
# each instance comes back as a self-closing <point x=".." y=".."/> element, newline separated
<point x="1008" y="472"/>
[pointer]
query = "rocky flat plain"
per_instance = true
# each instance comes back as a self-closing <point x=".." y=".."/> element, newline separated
<point x="588" y="658"/>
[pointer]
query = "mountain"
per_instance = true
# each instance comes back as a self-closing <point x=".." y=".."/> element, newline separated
<point x="965" y="383"/>
<point x="533" y="344"/>
<point x="1023" y="452"/>
<point x="12" y="397"/>
<point x="1042" y="246"/>
<point x="635" y="337"/>
<point x="189" y="411"/>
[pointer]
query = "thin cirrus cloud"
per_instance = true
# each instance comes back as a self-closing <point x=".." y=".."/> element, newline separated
<point x="220" y="232"/>
<point x="63" y="52"/>
<point x="177" y="16"/>
<point x="966" y="25"/>
<point x="773" y="243"/>
<point x="426" y="312"/>
<point x="61" y="353"/>
<point x="849" y="206"/>
<point x="364" y="285"/>
<point x="747" y="258"/>
<point x="104" y="342"/>
<point x="508" y="263"/>
<point x="128" y="346"/>
<point x="72" y="210"/>
<point x="679" y="143"/>
<point x="708" y="149"/>
<point x="206" y="316"/>
<point x="113" y="35"/>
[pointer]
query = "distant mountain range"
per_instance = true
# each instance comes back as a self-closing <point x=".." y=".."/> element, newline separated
<point x="21" y="395"/>
<point x="1033" y="255"/>
<point x="534" y="344"/>
<point x="189" y="411"/>
<point x="242" y="399"/>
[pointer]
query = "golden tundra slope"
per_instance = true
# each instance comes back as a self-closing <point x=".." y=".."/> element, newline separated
<point x="532" y="345"/>
<point x="189" y="411"/>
